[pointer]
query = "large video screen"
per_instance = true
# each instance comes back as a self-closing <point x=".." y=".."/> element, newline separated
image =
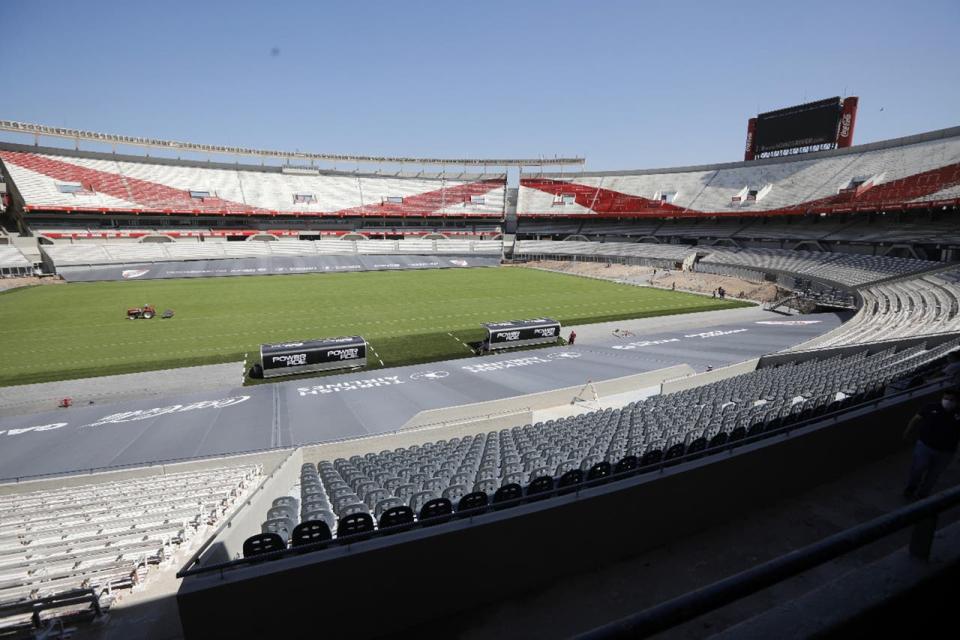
<point x="801" y="126"/>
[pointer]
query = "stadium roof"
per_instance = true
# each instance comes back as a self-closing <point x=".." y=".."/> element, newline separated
<point x="77" y="135"/>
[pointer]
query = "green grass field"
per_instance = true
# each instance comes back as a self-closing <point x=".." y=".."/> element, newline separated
<point x="79" y="330"/>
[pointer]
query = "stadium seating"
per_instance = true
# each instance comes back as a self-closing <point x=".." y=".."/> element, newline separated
<point x="106" y="535"/>
<point x="907" y="308"/>
<point x="842" y="268"/>
<point x="639" y="250"/>
<point x="349" y="497"/>
<point x="98" y="182"/>
<point x="13" y="262"/>
<point x="896" y="174"/>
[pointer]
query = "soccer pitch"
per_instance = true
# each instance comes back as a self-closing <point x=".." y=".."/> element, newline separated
<point x="80" y="330"/>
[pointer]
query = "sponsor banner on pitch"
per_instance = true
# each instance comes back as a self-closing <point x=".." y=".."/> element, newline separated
<point x="269" y="265"/>
<point x="136" y="415"/>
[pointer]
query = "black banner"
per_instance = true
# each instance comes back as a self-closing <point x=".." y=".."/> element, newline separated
<point x="313" y="355"/>
<point x="521" y="332"/>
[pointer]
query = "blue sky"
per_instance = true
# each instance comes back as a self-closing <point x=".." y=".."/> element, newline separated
<point x="627" y="84"/>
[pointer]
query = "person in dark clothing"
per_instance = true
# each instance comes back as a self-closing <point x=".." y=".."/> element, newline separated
<point x="722" y="292"/>
<point x="953" y="366"/>
<point x="936" y="430"/>
<point x="572" y="338"/>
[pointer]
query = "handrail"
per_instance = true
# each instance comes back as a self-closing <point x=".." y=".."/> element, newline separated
<point x="922" y="514"/>
<point x="575" y="490"/>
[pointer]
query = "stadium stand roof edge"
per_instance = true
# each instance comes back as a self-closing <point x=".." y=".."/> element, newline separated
<point x="939" y="134"/>
<point x="233" y="166"/>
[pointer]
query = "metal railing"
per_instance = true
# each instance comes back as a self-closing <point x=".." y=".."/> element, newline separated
<point x="922" y="515"/>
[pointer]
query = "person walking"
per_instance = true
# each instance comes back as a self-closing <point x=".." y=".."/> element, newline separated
<point x="572" y="338"/>
<point x="936" y="433"/>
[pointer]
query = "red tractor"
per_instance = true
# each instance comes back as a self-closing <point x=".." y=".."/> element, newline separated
<point x="145" y="312"/>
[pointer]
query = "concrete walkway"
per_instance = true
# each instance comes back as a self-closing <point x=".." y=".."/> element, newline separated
<point x="603" y="331"/>
<point x="45" y="396"/>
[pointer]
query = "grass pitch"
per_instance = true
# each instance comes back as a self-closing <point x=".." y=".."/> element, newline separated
<point x="80" y="330"/>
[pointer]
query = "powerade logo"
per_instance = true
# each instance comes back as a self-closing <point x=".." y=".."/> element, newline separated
<point x="292" y="360"/>
<point x="547" y="333"/>
<point x="509" y="335"/>
<point x="345" y="354"/>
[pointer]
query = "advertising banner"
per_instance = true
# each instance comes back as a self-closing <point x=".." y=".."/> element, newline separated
<point x="263" y="266"/>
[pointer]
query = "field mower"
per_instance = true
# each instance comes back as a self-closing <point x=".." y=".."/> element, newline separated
<point x="145" y="312"/>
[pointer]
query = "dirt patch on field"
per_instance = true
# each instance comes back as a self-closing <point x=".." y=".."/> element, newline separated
<point x="708" y="283"/>
<point x="663" y="278"/>
<point x="28" y="281"/>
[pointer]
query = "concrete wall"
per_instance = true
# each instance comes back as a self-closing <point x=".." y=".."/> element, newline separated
<point x="227" y="542"/>
<point x="700" y="379"/>
<point x="777" y="359"/>
<point x="414" y="577"/>
<point x="544" y="400"/>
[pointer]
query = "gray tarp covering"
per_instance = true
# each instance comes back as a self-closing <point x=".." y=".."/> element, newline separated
<point x="271" y="265"/>
<point x="328" y="408"/>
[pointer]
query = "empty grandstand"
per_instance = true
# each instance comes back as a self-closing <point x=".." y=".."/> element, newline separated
<point x="902" y="174"/>
<point x="105" y="536"/>
<point x="13" y="262"/>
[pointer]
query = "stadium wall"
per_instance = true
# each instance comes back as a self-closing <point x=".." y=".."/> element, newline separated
<point x="262" y="266"/>
<point x="414" y="578"/>
<point x="227" y="543"/>
<point x="523" y="405"/>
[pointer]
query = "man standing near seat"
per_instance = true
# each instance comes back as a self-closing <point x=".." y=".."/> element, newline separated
<point x="936" y="430"/>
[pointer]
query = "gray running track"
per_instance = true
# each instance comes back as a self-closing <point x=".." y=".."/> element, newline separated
<point x="234" y="420"/>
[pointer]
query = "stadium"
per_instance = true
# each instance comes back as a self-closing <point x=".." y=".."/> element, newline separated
<point x="253" y="392"/>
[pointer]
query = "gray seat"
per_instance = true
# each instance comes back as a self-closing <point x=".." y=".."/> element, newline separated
<point x="486" y="473"/>
<point x="282" y="511"/>
<point x="461" y="478"/>
<point x="373" y="497"/>
<point x="387" y="503"/>
<point x="487" y="485"/>
<point x="421" y="498"/>
<point x="283" y="527"/>
<point x="357" y="507"/>
<point x="404" y="491"/>
<point x="323" y="515"/>
<point x="566" y="465"/>
<point x="455" y="492"/>
<point x="513" y="478"/>
<point x="433" y="484"/>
